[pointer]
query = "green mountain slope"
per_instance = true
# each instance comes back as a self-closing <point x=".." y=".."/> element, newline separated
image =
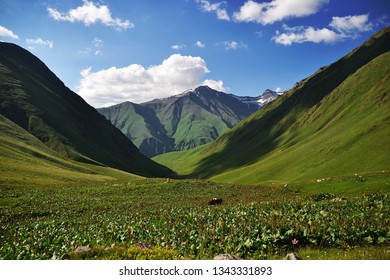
<point x="32" y="97"/>
<point x="180" y="122"/>
<point x="335" y="122"/>
<point x="24" y="160"/>
<point x="141" y="125"/>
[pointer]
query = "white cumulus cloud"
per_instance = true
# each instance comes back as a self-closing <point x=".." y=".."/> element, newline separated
<point x="221" y="13"/>
<point x="90" y="13"/>
<point x="340" y="28"/>
<point x="4" y="32"/>
<point x="350" y="24"/>
<point x="138" y="84"/>
<point x="276" y="10"/>
<point x="217" y="85"/>
<point x="40" y="41"/>
<point x="306" y="34"/>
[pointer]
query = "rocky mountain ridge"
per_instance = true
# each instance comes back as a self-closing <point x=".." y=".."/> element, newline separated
<point x="180" y="122"/>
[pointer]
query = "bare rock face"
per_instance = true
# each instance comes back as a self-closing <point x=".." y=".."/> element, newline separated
<point x="227" y="257"/>
<point x="292" y="256"/>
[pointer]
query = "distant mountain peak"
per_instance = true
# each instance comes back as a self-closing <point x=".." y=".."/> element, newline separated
<point x="203" y="89"/>
<point x="186" y="120"/>
<point x="266" y="97"/>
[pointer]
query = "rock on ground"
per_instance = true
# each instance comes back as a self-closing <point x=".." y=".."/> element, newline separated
<point x="80" y="249"/>
<point x="227" y="257"/>
<point x="292" y="256"/>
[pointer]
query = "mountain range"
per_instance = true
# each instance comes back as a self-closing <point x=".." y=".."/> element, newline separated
<point x="37" y="106"/>
<point x="335" y="122"/>
<point x="184" y="121"/>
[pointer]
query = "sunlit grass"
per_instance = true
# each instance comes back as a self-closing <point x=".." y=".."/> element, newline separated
<point x="173" y="218"/>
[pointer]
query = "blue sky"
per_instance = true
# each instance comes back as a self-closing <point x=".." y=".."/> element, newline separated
<point x="137" y="50"/>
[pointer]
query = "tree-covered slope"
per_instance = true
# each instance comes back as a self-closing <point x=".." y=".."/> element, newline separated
<point x="32" y="97"/>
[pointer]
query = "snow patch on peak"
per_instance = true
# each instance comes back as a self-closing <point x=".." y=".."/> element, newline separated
<point x="185" y="92"/>
<point x="265" y="98"/>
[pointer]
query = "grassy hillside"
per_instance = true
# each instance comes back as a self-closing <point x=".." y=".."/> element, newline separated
<point x="179" y="122"/>
<point x="27" y="161"/>
<point x="335" y="122"/>
<point x="139" y="124"/>
<point x="32" y="97"/>
<point x="347" y="133"/>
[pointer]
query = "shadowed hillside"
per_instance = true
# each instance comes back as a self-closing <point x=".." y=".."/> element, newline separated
<point x="32" y="97"/>
<point x="334" y="122"/>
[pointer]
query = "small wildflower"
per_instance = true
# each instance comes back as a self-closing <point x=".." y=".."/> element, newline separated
<point x="295" y="241"/>
<point x="144" y="245"/>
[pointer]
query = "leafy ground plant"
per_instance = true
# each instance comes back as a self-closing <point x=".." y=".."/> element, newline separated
<point x="45" y="224"/>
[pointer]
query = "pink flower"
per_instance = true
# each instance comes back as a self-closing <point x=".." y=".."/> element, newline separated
<point x="144" y="245"/>
<point x="295" y="241"/>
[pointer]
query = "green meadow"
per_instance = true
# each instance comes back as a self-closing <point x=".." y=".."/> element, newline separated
<point x="160" y="219"/>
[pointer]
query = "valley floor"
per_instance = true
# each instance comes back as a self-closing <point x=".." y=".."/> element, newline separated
<point x="344" y="218"/>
